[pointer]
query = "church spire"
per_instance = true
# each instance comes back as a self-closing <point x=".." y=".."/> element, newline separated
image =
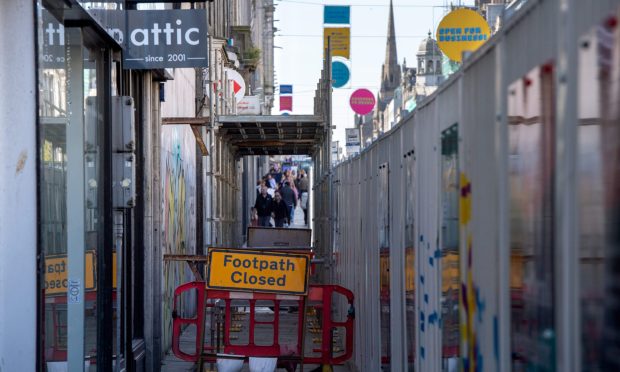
<point x="390" y="78"/>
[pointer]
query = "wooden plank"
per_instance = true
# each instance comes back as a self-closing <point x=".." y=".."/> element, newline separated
<point x="202" y="121"/>
<point x="198" y="134"/>
<point x="185" y="257"/>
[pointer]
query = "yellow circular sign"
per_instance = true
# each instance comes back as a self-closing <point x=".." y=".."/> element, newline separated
<point x="462" y="30"/>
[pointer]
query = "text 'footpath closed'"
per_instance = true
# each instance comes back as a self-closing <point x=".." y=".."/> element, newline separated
<point x="257" y="271"/>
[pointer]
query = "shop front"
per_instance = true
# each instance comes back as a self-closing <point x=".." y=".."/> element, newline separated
<point x="77" y="79"/>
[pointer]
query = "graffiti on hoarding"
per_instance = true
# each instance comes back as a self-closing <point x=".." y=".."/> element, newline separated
<point x="178" y="162"/>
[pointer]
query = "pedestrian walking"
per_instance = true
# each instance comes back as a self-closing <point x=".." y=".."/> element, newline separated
<point x="263" y="207"/>
<point x="253" y="217"/>
<point x="304" y="198"/>
<point x="280" y="211"/>
<point x="271" y="182"/>
<point x="288" y="196"/>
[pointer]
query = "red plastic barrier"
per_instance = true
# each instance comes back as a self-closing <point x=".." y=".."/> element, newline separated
<point x="178" y="323"/>
<point x="317" y="293"/>
<point x="323" y="293"/>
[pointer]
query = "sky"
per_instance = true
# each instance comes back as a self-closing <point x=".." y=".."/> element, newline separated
<point x="299" y="47"/>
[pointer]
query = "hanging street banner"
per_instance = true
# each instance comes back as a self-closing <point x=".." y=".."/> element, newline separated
<point x="260" y="271"/>
<point x="336" y="14"/>
<point x="362" y="101"/>
<point x="286" y="103"/>
<point x="340" y="40"/>
<point x="286" y="89"/>
<point x="340" y="74"/>
<point x="462" y="30"/>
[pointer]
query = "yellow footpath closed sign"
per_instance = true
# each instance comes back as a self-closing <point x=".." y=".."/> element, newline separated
<point x="246" y="270"/>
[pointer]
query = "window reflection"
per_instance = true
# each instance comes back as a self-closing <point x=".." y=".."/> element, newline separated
<point x="597" y="196"/>
<point x="410" y="259"/>
<point x="590" y="197"/>
<point x="450" y="273"/>
<point x="531" y="171"/>
<point x="384" y="263"/>
<point x="70" y="141"/>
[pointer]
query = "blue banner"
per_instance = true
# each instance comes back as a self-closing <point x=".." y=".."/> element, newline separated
<point x="286" y="89"/>
<point x="336" y="14"/>
<point x="340" y="74"/>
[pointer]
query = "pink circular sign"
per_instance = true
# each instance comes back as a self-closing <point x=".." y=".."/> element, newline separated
<point x="362" y="101"/>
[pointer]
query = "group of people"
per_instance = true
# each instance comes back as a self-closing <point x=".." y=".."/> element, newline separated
<point x="278" y="194"/>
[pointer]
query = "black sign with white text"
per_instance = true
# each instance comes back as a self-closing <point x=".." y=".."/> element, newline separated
<point x="151" y="39"/>
<point x="165" y="39"/>
<point x="52" y="53"/>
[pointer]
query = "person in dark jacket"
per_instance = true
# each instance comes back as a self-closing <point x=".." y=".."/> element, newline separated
<point x="263" y="206"/>
<point x="288" y="196"/>
<point x="280" y="211"/>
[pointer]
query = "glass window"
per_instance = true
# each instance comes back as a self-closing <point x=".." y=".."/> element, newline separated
<point x="53" y="184"/>
<point x="70" y="119"/>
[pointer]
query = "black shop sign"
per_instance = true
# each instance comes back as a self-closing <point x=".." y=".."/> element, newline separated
<point x="165" y="39"/>
<point x="151" y="39"/>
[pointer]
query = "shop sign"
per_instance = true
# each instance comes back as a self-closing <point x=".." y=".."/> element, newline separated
<point x="260" y="271"/>
<point x="151" y="39"/>
<point x="238" y="84"/>
<point x="462" y="30"/>
<point x="249" y="105"/>
<point x="362" y="101"/>
<point x="166" y="38"/>
<point x="340" y="38"/>
<point x="155" y="39"/>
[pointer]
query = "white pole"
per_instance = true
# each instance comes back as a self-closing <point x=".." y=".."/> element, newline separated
<point x="18" y="187"/>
